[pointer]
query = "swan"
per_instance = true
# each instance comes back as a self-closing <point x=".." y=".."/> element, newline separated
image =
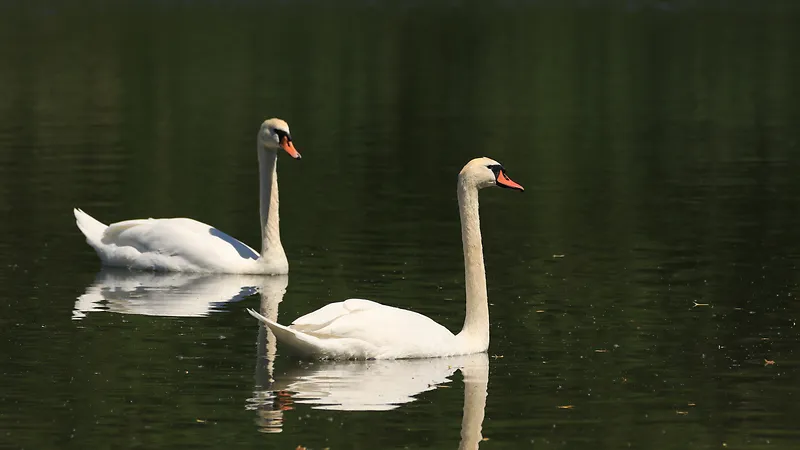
<point x="363" y="329"/>
<point x="186" y="245"/>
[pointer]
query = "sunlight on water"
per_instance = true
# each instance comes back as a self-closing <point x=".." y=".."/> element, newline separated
<point x="642" y="290"/>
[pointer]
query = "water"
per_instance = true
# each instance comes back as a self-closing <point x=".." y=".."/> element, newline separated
<point x="643" y="288"/>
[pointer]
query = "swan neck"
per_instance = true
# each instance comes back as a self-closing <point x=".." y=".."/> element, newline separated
<point x="476" y="324"/>
<point x="271" y="247"/>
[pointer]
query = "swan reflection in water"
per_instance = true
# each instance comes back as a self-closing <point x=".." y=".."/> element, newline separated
<point x="372" y="385"/>
<point x="172" y="294"/>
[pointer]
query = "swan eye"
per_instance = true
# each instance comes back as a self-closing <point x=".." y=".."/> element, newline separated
<point x="281" y="134"/>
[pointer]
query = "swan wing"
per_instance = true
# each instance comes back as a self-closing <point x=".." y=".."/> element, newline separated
<point x="179" y="244"/>
<point x="320" y="318"/>
<point x="363" y="328"/>
<point x="383" y="326"/>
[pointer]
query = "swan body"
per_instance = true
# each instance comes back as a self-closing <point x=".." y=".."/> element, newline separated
<point x="187" y="245"/>
<point x="172" y="245"/>
<point x="363" y="329"/>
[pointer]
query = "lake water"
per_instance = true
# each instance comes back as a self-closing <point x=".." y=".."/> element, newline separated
<point x="643" y="289"/>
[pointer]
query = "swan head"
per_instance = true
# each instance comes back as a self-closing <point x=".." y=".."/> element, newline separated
<point x="274" y="134"/>
<point x="485" y="172"/>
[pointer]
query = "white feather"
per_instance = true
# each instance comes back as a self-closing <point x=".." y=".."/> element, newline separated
<point x="363" y="329"/>
<point x="186" y="245"/>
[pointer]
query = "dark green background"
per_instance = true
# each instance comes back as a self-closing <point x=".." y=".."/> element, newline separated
<point x="657" y="141"/>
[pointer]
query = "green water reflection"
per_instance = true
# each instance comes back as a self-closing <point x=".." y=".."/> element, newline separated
<point x="640" y="287"/>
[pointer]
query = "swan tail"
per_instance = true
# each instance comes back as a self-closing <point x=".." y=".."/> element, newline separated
<point x="298" y="341"/>
<point x="90" y="227"/>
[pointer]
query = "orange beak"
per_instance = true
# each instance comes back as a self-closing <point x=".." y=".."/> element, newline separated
<point x="504" y="181"/>
<point x="287" y="145"/>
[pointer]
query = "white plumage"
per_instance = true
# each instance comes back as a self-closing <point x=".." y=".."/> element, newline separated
<point x="363" y="329"/>
<point x="186" y="245"/>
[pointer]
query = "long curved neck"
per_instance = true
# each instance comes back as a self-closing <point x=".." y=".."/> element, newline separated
<point x="476" y="323"/>
<point x="268" y="198"/>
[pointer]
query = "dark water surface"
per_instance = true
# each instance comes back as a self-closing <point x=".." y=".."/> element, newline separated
<point x="644" y="287"/>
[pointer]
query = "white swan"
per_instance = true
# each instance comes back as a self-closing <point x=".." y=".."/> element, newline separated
<point x="363" y="329"/>
<point x="186" y="245"/>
